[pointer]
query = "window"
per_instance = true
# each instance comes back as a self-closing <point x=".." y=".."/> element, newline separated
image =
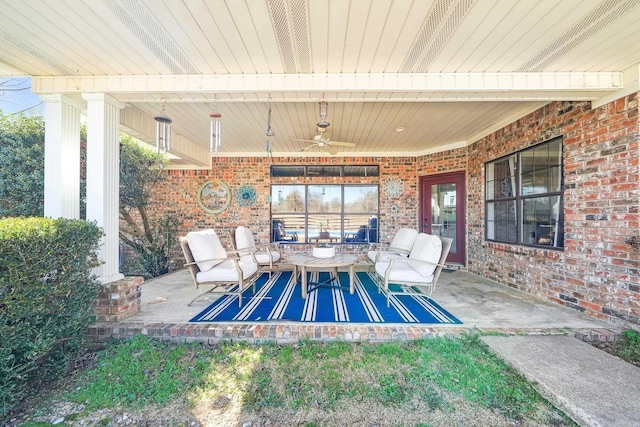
<point x="339" y="170"/>
<point x="324" y="213"/>
<point x="524" y="197"/>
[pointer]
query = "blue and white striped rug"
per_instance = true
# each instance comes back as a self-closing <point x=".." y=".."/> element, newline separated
<point x="279" y="298"/>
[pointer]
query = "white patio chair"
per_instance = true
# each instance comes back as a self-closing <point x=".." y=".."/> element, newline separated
<point x="210" y="263"/>
<point x="417" y="273"/>
<point x="399" y="247"/>
<point x="266" y="256"/>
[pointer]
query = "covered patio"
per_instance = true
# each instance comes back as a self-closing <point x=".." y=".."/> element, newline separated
<point x="482" y="305"/>
<point x="419" y="91"/>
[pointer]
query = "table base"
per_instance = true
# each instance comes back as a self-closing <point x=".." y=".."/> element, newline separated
<point x="308" y="286"/>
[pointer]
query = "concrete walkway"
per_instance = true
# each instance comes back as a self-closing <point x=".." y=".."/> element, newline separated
<point x="591" y="386"/>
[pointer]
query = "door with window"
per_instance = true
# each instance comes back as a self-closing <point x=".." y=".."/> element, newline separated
<point x="442" y="210"/>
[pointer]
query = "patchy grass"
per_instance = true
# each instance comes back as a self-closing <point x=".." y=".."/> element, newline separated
<point x="435" y="382"/>
<point x="626" y="348"/>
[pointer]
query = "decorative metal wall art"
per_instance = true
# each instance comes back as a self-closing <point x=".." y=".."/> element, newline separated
<point x="234" y="217"/>
<point x="214" y="196"/>
<point x="393" y="187"/>
<point x="246" y="196"/>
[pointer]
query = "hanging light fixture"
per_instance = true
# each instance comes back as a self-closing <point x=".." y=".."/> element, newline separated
<point x="270" y="133"/>
<point x="214" y="129"/>
<point x="163" y="130"/>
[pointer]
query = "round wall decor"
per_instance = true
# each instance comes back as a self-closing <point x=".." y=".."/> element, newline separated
<point x="393" y="187"/>
<point x="246" y="195"/>
<point x="214" y="196"/>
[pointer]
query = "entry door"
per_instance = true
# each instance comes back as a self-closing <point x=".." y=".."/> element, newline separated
<point x="442" y="210"/>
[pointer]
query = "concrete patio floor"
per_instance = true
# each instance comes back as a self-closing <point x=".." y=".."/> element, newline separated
<point x="477" y="302"/>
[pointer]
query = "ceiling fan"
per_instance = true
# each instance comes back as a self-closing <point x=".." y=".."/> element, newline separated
<point x="319" y="140"/>
<point x="325" y="143"/>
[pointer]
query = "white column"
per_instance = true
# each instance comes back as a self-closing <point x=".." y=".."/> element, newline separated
<point x="103" y="174"/>
<point x="61" y="157"/>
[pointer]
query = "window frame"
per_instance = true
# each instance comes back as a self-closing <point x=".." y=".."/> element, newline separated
<point x="311" y="228"/>
<point x="530" y="230"/>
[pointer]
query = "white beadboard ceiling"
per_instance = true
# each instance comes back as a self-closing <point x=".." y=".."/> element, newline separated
<point x="447" y="71"/>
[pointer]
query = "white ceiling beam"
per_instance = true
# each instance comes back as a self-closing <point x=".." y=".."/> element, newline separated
<point x="263" y="85"/>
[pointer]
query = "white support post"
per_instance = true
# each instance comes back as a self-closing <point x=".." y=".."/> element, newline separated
<point x="61" y="157"/>
<point x="103" y="174"/>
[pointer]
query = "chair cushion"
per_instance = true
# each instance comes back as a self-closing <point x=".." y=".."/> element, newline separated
<point x="263" y="257"/>
<point x="226" y="272"/>
<point x="403" y="240"/>
<point x="426" y="247"/>
<point x="206" y="248"/>
<point x="244" y="238"/>
<point x="402" y="272"/>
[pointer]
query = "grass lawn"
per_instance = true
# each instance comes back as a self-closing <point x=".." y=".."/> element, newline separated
<point x="435" y="382"/>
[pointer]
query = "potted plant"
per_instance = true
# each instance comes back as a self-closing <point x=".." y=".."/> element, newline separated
<point x="324" y="234"/>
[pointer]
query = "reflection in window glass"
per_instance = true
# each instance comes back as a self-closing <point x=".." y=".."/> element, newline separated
<point x="367" y="170"/>
<point x="287" y="198"/>
<point x="324" y="170"/>
<point x="324" y="198"/>
<point x="287" y="170"/>
<point x="501" y="178"/>
<point x="361" y="199"/>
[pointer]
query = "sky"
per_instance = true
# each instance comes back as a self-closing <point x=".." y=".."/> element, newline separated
<point x="16" y="96"/>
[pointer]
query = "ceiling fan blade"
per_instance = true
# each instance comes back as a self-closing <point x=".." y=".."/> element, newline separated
<point x="305" y="140"/>
<point x="342" y="143"/>
<point x="331" y="150"/>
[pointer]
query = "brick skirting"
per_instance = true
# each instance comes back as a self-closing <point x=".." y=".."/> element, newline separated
<point x="256" y="333"/>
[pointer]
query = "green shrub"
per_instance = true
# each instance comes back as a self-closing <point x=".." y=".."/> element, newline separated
<point x="152" y="237"/>
<point x="630" y="346"/>
<point x="47" y="292"/>
<point x="22" y="165"/>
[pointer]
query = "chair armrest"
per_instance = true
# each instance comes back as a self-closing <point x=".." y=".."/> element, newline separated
<point x="204" y="260"/>
<point x="235" y="254"/>
<point x="417" y="261"/>
<point x="378" y="246"/>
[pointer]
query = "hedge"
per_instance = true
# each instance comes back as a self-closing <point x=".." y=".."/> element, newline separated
<point x="47" y="291"/>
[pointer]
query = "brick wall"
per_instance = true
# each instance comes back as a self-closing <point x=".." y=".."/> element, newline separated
<point x="179" y="194"/>
<point x="596" y="273"/>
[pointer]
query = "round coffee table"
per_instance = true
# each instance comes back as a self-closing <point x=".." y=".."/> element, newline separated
<point x="304" y="261"/>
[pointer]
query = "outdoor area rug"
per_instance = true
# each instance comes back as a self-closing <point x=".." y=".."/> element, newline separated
<point x="278" y="298"/>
